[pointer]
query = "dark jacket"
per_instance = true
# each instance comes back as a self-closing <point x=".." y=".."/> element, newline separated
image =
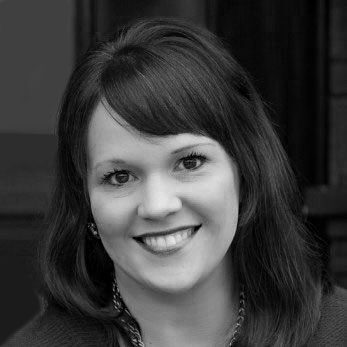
<point x="55" y="328"/>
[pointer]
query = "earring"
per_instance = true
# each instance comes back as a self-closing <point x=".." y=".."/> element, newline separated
<point x="93" y="229"/>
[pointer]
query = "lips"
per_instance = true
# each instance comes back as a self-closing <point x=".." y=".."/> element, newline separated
<point x="167" y="240"/>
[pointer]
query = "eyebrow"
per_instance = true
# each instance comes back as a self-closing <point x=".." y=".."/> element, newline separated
<point x="192" y="146"/>
<point x="179" y="150"/>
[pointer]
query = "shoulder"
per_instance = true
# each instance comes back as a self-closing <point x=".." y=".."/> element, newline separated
<point x="332" y="326"/>
<point x="57" y="328"/>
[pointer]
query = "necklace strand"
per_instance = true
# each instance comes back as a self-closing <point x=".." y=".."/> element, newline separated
<point x="131" y="327"/>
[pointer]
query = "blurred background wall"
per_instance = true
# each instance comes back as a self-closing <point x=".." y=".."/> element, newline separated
<point x="295" y="50"/>
<point x="37" y="53"/>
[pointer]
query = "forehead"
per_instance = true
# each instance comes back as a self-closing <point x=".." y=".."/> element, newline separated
<point x="109" y="134"/>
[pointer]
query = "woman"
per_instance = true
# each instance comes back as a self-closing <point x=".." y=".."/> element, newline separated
<point x="175" y="220"/>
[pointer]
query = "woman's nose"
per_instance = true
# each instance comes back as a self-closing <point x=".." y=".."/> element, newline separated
<point x="159" y="199"/>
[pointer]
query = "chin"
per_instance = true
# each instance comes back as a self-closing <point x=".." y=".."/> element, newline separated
<point x="173" y="285"/>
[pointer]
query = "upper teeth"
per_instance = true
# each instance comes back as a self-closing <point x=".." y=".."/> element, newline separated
<point x="166" y="241"/>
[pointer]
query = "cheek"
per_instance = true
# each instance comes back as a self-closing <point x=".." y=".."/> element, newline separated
<point x="230" y="197"/>
<point x="113" y="216"/>
<point x="220" y="199"/>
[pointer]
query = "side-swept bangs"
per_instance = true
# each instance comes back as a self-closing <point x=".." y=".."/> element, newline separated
<point x="164" y="91"/>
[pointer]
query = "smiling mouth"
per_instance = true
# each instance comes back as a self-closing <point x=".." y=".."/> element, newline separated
<point x="167" y="242"/>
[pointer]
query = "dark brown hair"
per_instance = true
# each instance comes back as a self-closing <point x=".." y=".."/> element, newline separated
<point x="164" y="77"/>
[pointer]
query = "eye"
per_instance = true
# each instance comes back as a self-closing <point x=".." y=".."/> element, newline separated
<point x="118" y="178"/>
<point x="191" y="162"/>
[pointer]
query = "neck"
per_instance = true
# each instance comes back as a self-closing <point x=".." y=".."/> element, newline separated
<point x="201" y="316"/>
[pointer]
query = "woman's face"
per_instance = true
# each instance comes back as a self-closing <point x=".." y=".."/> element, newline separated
<point x="166" y="207"/>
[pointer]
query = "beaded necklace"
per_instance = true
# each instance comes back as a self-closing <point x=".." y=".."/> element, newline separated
<point x="132" y="328"/>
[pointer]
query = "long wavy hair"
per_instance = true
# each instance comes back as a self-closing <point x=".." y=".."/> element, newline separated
<point x="166" y="77"/>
